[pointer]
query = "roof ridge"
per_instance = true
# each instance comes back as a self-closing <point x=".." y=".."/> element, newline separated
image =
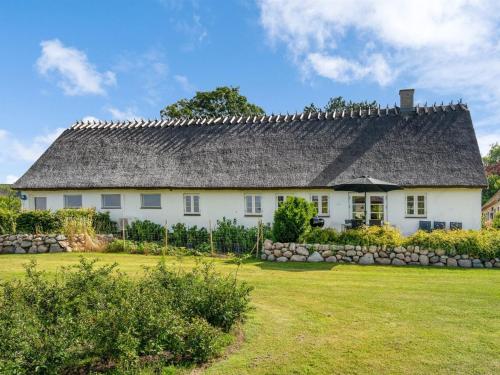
<point x="272" y="118"/>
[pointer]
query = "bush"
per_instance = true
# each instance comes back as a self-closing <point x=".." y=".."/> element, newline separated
<point x="8" y="219"/>
<point x="291" y="219"/>
<point x="320" y="235"/>
<point x="496" y="221"/>
<point x="145" y="231"/>
<point x="89" y="316"/>
<point x="121" y="246"/>
<point x="374" y="235"/>
<point x="38" y="222"/>
<point x="483" y="243"/>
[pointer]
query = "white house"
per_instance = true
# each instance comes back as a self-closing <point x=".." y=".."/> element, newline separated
<point x="202" y="169"/>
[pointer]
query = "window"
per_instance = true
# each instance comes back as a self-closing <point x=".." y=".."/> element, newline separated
<point x="191" y="204"/>
<point x="321" y="204"/>
<point x="280" y="199"/>
<point x="358" y="207"/>
<point x="111" y="200"/>
<point x="72" y="201"/>
<point x="416" y="205"/>
<point x="150" y="201"/>
<point x="40" y="203"/>
<point x="377" y="208"/>
<point x="253" y="205"/>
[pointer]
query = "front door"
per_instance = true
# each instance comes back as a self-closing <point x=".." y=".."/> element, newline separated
<point x="373" y="206"/>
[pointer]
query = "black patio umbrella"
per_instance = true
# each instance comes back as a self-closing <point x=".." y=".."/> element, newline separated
<point x="366" y="184"/>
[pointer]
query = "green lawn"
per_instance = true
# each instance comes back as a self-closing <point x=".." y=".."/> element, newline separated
<point x="348" y="319"/>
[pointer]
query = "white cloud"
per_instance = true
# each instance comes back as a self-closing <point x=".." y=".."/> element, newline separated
<point x="90" y="119"/>
<point x="14" y="149"/>
<point x="126" y="114"/>
<point x="72" y="70"/>
<point x="184" y="83"/>
<point x="10" y="179"/>
<point x="486" y="140"/>
<point x="450" y="47"/>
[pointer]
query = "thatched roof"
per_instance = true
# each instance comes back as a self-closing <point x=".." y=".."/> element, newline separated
<point x="430" y="146"/>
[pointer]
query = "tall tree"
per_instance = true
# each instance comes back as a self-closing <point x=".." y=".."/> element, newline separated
<point x="493" y="156"/>
<point x="338" y="103"/>
<point x="223" y="101"/>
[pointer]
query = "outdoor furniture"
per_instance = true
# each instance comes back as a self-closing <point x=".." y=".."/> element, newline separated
<point x="439" y="225"/>
<point x="454" y="225"/>
<point x="317" y="222"/>
<point x="424" y="225"/>
<point x="376" y="223"/>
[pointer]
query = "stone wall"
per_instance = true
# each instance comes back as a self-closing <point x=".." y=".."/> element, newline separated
<point x="398" y="256"/>
<point x="49" y="243"/>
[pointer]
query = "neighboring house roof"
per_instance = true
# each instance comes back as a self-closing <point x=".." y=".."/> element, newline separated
<point x="430" y="146"/>
<point x="492" y="201"/>
<point x="492" y="169"/>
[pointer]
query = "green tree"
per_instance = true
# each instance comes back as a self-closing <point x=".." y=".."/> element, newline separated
<point x="291" y="219"/>
<point x="338" y="103"/>
<point x="493" y="187"/>
<point x="223" y="101"/>
<point x="9" y="199"/>
<point x="493" y="156"/>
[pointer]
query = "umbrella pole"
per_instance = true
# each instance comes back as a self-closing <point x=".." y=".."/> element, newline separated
<point x="365" y="208"/>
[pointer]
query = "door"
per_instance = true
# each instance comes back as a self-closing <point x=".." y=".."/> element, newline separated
<point x="370" y="209"/>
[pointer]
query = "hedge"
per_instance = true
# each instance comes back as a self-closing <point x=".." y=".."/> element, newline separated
<point x="484" y="243"/>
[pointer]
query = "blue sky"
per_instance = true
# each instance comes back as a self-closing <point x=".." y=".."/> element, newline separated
<point x="61" y="61"/>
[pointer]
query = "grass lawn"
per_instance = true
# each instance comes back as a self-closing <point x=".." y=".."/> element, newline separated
<point x="348" y="319"/>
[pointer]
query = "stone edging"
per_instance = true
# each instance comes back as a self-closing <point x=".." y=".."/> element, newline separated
<point x="47" y="243"/>
<point x="398" y="256"/>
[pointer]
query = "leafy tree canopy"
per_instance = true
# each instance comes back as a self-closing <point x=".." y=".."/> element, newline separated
<point x="493" y="155"/>
<point x="339" y="103"/>
<point x="223" y="101"/>
<point x="493" y="187"/>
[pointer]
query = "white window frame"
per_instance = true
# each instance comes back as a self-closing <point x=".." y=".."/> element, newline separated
<point x="66" y="196"/>
<point x="253" y="211"/>
<point x="320" y="197"/>
<point x="34" y="203"/>
<point x="111" y="207"/>
<point x="150" y="207"/>
<point x="191" y="198"/>
<point x="415" y="205"/>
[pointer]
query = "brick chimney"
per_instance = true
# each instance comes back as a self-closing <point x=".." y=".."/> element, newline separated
<point x="406" y="99"/>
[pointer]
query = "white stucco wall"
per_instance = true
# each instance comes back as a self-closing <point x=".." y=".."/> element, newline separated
<point x="446" y="204"/>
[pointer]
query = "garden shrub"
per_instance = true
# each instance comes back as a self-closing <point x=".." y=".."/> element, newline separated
<point x="145" y="231"/>
<point x="38" y="222"/>
<point x="374" y="235"/>
<point x="121" y="246"/>
<point x="496" y="221"/>
<point x="89" y="315"/>
<point x="8" y="219"/>
<point x="321" y="236"/>
<point x="291" y="219"/>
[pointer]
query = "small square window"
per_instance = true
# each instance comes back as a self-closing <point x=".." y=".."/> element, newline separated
<point x="111" y="200"/>
<point x="150" y="200"/>
<point x="72" y="201"/>
<point x="321" y="204"/>
<point x="40" y="203"/>
<point x="415" y="205"/>
<point x="253" y="205"/>
<point x="191" y="204"/>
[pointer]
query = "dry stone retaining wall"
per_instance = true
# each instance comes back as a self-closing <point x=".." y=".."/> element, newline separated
<point x="46" y="243"/>
<point x="398" y="256"/>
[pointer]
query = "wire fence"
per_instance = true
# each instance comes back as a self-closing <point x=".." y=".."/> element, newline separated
<point x="223" y="237"/>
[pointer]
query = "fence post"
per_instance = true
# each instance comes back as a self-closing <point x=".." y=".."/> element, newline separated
<point x="166" y="237"/>
<point x="258" y="237"/>
<point x="123" y="234"/>
<point x="211" y="238"/>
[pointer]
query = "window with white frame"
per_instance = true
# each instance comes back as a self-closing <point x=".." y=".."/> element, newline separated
<point x="191" y="204"/>
<point x="150" y="200"/>
<point x="416" y="205"/>
<point x="40" y="203"/>
<point x="73" y="201"/>
<point x="321" y="204"/>
<point x="253" y="205"/>
<point x="281" y="198"/>
<point x="111" y="201"/>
